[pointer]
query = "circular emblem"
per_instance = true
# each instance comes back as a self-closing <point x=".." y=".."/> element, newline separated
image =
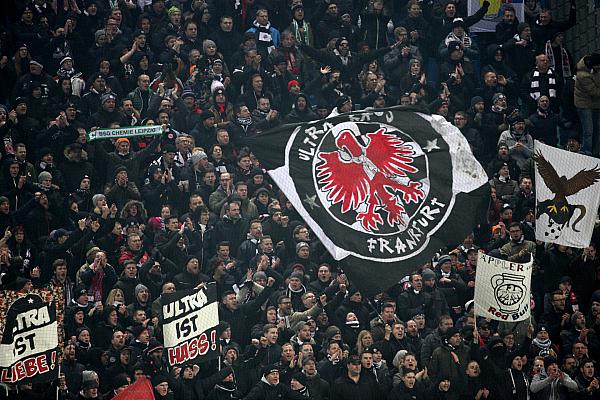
<point x="378" y="185"/>
<point x="509" y="291"/>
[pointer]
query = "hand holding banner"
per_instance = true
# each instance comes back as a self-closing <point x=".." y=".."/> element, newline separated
<point x="131" y="131"/>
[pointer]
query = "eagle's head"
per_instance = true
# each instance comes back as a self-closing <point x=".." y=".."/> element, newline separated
<point x="346" y="141"/>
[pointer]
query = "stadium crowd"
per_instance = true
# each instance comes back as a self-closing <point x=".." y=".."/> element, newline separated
<point x="117" y="223"/>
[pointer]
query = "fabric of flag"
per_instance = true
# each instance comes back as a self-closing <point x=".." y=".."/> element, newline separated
<point x="567" y="195"/>
<point x="28" y="348"/>
<point x="502" y="289"/>
<point x="190" y="319"/>
<point x="141" y="389"/>
<point x="494" y="13"/>
<point x="382" y="189"/>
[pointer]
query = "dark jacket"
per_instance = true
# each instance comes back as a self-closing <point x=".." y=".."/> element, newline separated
<point x="345" y="388"/>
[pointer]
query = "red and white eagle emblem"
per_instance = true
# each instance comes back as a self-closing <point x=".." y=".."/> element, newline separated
<point x="374" y="174"/>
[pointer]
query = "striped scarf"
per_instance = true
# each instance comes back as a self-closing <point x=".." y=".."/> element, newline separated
<point x="534" y="88"/>
<point x="566" y="65"/>
<point x="301" y="36"/>
<point x="263" y="36"/>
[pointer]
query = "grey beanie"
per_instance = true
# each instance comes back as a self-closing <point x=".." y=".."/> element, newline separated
<point x="44" y="175"/>
<point x="89" y="375"/>
<point x="197" y="156"/>
<point x="427" y="274"/>
<point x="96" y="198"/>
<point x="259" y="275"/>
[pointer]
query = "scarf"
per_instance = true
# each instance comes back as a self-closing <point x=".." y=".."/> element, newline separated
<point x="542" y="113"/>
<point x="63" y="73"/>
<point x="301" y="36"/>
<point x="344" y="59"/>
<point x="226" y="387"/>
<point x="534" y="88"/>
<point x="498" y="109"/>
<point x="465" y="40"/>
<point x="303" y="391"/>
<point x="353" y="324"/>
<point x="542" y="344"/>
<point x="263" y="36"/>
<point x="96" y="287"/>
<point x="566" y="66"/>
<point x="289" y="291"/>
<point x="244" y="122"/>
<point x="291" y="59"/>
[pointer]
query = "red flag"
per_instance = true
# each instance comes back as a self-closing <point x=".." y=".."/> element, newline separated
<point x="139" y="390"/>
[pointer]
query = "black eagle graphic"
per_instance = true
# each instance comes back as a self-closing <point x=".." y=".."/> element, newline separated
<point x="558" y="208"/>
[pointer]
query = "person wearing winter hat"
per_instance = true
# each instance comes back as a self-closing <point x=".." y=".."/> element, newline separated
<point x="298" y="384"/>
<point x="552" y="380"/>
<point x="342" y="105"/>
<point x="518" y="140"/>
<point x="521" y="50"/>
<point x="89" y="389"/>
<point x="120" y="383"/>
<point x="443" y="358"/>
<point x="160" y="385"/>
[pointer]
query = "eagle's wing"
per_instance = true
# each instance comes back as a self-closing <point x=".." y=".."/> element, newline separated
<point x="582" y="180"/>
<point x="345" y="182"/>
<point x="548" y="173"/>
<point x="390" y="154"/>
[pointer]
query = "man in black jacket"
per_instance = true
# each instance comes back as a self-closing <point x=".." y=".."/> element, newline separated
<point x="414" y="300"/>
<point x="354" y="385"/>
<point x="237" y="315"/>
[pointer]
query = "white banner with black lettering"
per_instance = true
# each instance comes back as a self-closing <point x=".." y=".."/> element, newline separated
<point x="28" y="349"/>
<point x="190" y="319"/>
<point x="502" y="289"/>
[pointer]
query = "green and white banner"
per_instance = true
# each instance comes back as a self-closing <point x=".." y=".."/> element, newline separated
<point x="131" y="131"/>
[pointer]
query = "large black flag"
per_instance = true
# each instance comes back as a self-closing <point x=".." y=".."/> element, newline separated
<point x="382" y="189"/>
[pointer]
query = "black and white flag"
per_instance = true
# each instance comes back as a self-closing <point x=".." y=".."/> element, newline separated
<point x="190" y="319"/>
<point x="28" y="350"/>
<point x="567" y="195"/>
<point x="382" y="189"/>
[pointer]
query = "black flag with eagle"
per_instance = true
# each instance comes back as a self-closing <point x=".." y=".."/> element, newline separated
<point x="382" y="189"/>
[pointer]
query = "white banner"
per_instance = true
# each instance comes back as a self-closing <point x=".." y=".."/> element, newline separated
<point x="494" y="14"/>
<point x="502" y="289"/>
<point x="189" y="323"/>
<point x="567" y="196"/>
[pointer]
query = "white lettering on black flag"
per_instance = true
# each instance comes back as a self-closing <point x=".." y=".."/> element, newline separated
<point x="29" y="341"/>
<point x="567" y="187"/>
<point x="190" y="320"/>
<point x="502" y="289"/>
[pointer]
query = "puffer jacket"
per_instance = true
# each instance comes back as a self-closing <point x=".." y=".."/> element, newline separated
<point x="587" y="86"/>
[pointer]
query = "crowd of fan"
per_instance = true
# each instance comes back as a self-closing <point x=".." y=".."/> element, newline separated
<point x="117" y="223"/>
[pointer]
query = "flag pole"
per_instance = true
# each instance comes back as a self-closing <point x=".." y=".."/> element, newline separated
<point x="58" y="385"/>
